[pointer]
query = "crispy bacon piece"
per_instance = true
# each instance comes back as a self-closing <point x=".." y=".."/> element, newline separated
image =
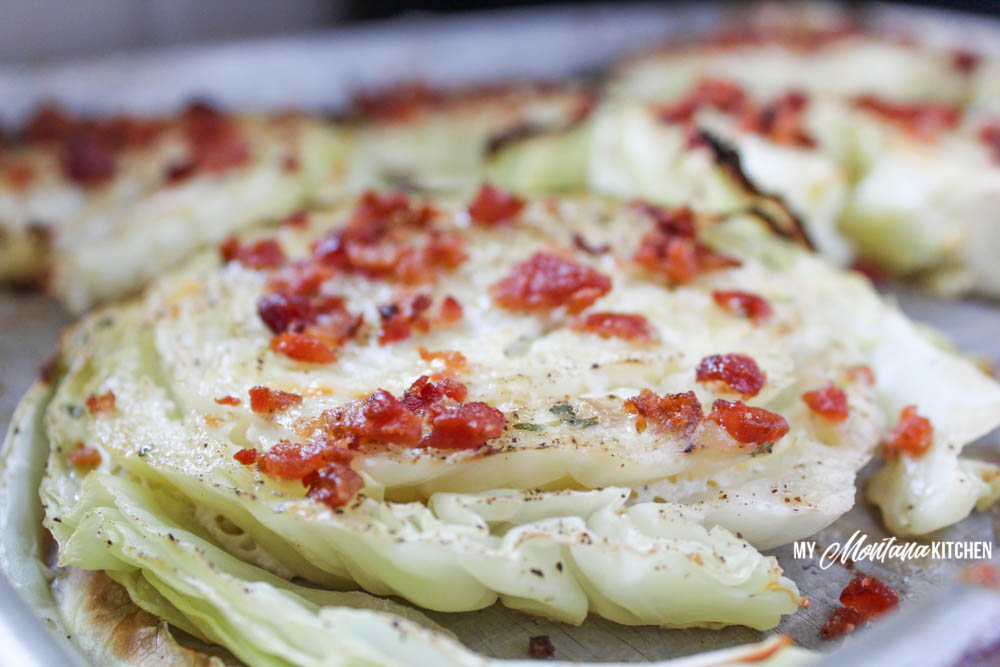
<point x="48" y="123"/>
<point x="738" y="372"/>
<point x="922" y="119"/>
<point x="465" y="426"/>
<point x="302" y="347"/>
<point x="397" y="102"/>
<point x="287" y="460"/>
<point x="335" y="483"/>
<point x="989" y="135"/>
<point x="263" y="399"/>
<point x="755" y="308"/>
<point x="453" y="359"/>
<point x="635" y="328"/>
<point x="213" y="139"/>
<point x="381" y="417"/>
<point x="424" y="397"/>
<point x="748" y="425"/>
<point x="780" y="121"/>
<point x="863" y="599"/>
<point x="101" y="403"/>
<point x="325" y="318"/>
<point x="284" y="312"/>
<point x="842" y="621"/>
<point x="829" y="401"/>
<point x="912" y="436"/>
<point x="83" y="456"/>
<point x="718" y="94"/>
<point x="399" y="320"/>
<point x="246" y="456"/>
<point x="863" y="373"/>
<point x="494" y="206"/>
<point x="545" y="282"/>
<point x="451" y="310"/>
<point x="868" y="596"/>
<point x="540" y="647"/>
<point x="262" y="254"/>
<point x="19" y="176"/>
<point x="871" y="269"/>
<point x="672" y="250"/>
<point x="297" y="219"/>
<point x="89" y="159"/>
<point x="678" y="413"/>
<point x="228" y="400"/>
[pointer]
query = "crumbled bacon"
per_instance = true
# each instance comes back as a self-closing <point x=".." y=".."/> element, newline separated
<point x="450" y="311"/>
<point x="48" y="123"/>
<point x="718" y="94"/>
<point x="922" y="119"/>
<point x="780" y="121"/>
<point x="262" y="254"/>
<point x="912" y="436"/>
<point x="465" y="426"/>
<point x="540" y="647"/>
<point x="753" y="307"/>
<point x="964" y="61"/>
<point x="325" y="318"/>
<point x="635" y="328"/>
<point x="453" y="360"/>
<point x="672" y="250"/>
<point x="397" y="102"/>
<point x="228" y="400"/>
<point x="399" y="320"/>
<point x="101" y="403"/>
<point x="863" y="373"/>
<point x="871" y="269"/>
<point x="494" y="206"/>
<point x="84" y="457"/>
<point x="246" y="456"/>
<point x="863" y="599"/>
<point x="545" y="281"/>
<point x="746" y="424"/>
<point x="842" y="621"/>
<point x="263" y="399"/>
<point x="213" y="139"/>
<point x="738" y="372"/>
<point x="288" y="460"/>
<point x="282" y="312"/>
<point x="829" y="401"/>
<point x="19" y="176"/>
<point x="302" y="347"/>
<point x="296" y="219"/>
<point x="382" y="418"/>
<point x="88" y="158"/>
<point x="334" y="484"/>
<point x="989" y="135"/>
<point x="678" y="413"/>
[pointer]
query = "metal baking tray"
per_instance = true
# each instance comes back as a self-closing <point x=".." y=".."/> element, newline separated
<point x="317" y="71"/>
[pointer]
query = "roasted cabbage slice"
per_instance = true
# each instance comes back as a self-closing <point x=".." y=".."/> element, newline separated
<point x="95" y="208"/>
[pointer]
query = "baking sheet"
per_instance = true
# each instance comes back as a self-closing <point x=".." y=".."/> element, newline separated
<point x="316" y="71"/>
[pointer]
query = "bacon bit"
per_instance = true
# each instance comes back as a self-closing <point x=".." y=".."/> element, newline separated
<point x="290" y="164"/>
<point x="89" y="159"/>
<point x="540" y="647"/>
<point x="281" y="312"/>
<point x="450" y="311"/>
<point x="868" y="596"/>
<point x="19" y="176"/>
<point x="737" y="371"/>
<point x="296" y="219"/>
<point x="863" y="599"/>
<point x="753" y="307"/>
<point x="493" y="206"/>
<point x="398" y="321"/>
<point x="829" y="402"/>
<point x="397" y="102"/>
<point x="990" y="135"/>
<point x="453" y="359"/>
<point x="246" y="456"/>
<point x="465" y="426"/>
<point x="380" y="417"/>
<point x="102" y="403"/>
<point x="863" y="373"/>
<point x="263" y="399"/>
<point x="302" y="347"/>
<point x="228" y="400"/>
<point x="213" y="139"/>
<point x="581" y="243"/>
<point x="746" y="424"/>
<point x="921" y="119"/>
<point x="842" y="621"/>
<point x="545" y="281"/>
<point x="719" y="94"/>
<point x="84" y="457"/>
<point x="335" y="483"/>
<point x="325" y="318"/>
<point x="780" y="121"/>
<point x="912" y="436"/>
<point x="680" y="413"/>
<point x="424" y="397"/>
<point x="287" y="460"/>
<point x="964" y="61"/>
<point x="263" y="254"/>
<point x="634" y="328"/>
<point x="871" y="269"/>
<point x="48" y="123"/>
<point x="672" y="250"/>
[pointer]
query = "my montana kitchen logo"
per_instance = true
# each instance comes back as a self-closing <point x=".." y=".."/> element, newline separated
<point x="858" y="548"/>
